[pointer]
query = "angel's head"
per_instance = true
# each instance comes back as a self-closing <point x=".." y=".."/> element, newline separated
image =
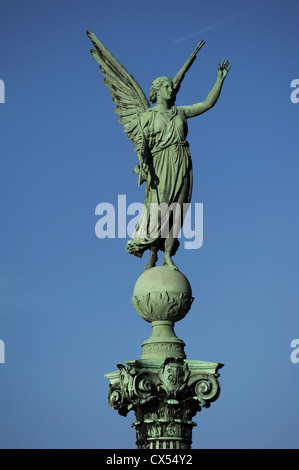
<point x="163" y="85"/>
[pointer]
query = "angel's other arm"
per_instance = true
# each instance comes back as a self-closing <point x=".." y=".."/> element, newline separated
<point x="210" y="101"/>
<point x="142" y="141"/>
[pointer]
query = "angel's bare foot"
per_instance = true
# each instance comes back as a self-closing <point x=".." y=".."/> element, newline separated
<point x="152" y="260"/>
<point x="167" y="261"/>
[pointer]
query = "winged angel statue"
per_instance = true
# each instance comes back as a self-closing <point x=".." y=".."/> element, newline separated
<point x="158" y="134"/>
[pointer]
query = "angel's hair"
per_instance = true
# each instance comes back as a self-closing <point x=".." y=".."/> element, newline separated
<point x="156" y="86"/>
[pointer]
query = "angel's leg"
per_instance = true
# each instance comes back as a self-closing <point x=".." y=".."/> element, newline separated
<point x="171" y="242"/>
<point x="153" y="257"/>
<point x="168" y="250"/>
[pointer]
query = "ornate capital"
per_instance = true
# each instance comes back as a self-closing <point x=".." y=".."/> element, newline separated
<point x="164" y="395"/>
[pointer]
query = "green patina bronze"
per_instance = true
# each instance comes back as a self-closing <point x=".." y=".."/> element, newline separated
<point x="163" y="388"/>
<point x="158" y="134"/>
<point x="165" y="395"/>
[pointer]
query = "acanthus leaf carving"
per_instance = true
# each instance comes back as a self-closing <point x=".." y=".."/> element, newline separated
<point x="162" y="305"/>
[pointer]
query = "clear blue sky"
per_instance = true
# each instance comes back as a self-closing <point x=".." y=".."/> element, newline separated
<point x="66" y="316"/>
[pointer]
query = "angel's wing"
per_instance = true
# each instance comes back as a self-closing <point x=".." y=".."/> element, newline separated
<point x="125" y="91"/>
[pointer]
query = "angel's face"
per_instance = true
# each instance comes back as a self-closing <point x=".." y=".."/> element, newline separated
<point x="165" y="91"/>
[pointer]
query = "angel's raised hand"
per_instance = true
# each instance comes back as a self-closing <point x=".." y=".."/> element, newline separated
<point x="223" y="69"/>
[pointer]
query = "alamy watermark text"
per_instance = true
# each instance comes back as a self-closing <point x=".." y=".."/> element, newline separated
<point x="2" y="92"/>
<point x="295" y="93"/>
<point x="158" y="216"/>
<point x="295" y="352"/>
<point x="2" y="351"/>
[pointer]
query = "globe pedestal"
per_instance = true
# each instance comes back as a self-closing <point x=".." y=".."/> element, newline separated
<point x="163" y="388"/>
<point x="163" y="342"/>
<point x="162" y="296"/>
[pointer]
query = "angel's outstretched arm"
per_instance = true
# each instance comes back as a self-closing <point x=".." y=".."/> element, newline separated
<point x="210" y="101"/>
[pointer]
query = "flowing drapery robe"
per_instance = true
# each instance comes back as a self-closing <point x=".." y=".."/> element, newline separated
<point x="169" y="180"/>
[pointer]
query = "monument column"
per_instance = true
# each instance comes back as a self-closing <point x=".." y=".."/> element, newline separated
<point x="163" y="388"/>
